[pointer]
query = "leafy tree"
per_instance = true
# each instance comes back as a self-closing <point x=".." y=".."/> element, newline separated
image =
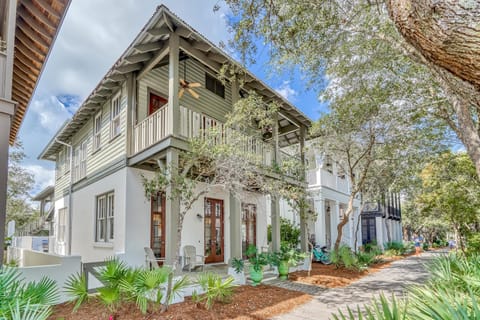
<point x="356" y="44"/>
<point x="223" y="158"/>
<point x="451" y="192"/>
<point x="20" y="183"/>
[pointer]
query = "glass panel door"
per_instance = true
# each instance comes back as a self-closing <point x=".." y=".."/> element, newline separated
<point x="249" y="226"/>
<point x="157" y="232"/>
<point x="213" y="230"/>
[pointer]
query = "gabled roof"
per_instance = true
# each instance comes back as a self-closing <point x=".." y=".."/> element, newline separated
<point x="48" y="191"/>
<point x="146" y="50"/>
<point x="37" y="25"/>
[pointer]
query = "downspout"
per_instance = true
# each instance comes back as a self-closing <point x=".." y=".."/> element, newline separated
<point x="70" y="200"/>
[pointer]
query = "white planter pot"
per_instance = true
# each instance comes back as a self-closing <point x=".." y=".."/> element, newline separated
<point x="239" y="277"/>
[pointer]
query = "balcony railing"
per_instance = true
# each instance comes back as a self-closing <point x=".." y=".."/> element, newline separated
<point x="154" y="129"/>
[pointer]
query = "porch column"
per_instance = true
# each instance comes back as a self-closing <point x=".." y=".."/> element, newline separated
<point x="131" y="112"/>
<point x="7" y="109"/>
<point x="235" y="227"/>
<point x="173" y="85"/>
<point x="320" y="223"/>
<point x="171" y="213"/>
<point x="275" y="215"/>
<point x="379" y="231"/>
<point x="303" y="211"/>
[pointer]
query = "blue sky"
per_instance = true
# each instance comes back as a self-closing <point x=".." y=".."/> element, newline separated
<point x="94" y="34"/>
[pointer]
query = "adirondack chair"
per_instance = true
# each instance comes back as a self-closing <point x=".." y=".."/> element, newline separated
<point x="151" y="260"/>
<point x="192" y="259"/>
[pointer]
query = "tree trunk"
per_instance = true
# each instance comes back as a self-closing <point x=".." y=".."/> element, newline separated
<point x="344" y="221"/>
<point x="446" y="33"/>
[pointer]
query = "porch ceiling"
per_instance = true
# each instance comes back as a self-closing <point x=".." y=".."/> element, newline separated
<point x="37" y="26"/>
<point x="147" y="51"/>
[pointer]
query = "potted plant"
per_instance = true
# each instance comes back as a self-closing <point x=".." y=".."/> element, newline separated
<point x="257" y="262"/>
<point x="236" y="270"/>
<point x="286" y="257"/>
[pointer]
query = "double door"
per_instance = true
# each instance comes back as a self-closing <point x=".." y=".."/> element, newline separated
<point x="214" y="230"/>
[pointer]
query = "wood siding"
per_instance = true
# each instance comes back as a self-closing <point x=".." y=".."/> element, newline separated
<point x="208" y="103"/>
<point x="110" y="149"/>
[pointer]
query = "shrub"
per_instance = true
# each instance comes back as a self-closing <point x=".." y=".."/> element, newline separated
<point x="19" y="300"/>
<point x="394" y="248"/>
<point x="344" y="257"/>
<point x="473" y="243"/>
<point x="289" y="233"/>
<point x="425" y="246"/>
<point x="215" y="289"/>
<point x="366" y="259"/>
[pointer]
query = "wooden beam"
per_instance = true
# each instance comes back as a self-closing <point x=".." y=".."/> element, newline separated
<point x="217" y="57"/>
<point x="116" y="77"/>
<point x="30" y="44"/>
<point x="40" y="16"/>
<point x="96" y="99"/>
<point x="27" y="75"/>
<point x="129" y="68"/>
<point x="202" y="46"/>
<point x="168" y="22"/>
<point x="110" y="84"/>
<point x="288" y="129"/>
<point x="183" y="32"/>
<point x="35" y="25"/>
<point x="140" y="57"/>
<point x="154" y="61"/>
<point x="104" y="92"/>
<point x="158" y="32"/>
<point x="45" y="6"/>
<point x="20" y="74"/>
<point x="147" y="47"/>
<point x="28" y="69"/>
<point x="199" y="55"/>
<point x="27" y="30"/>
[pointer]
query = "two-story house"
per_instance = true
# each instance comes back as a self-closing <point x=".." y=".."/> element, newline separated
<point x="329" y="191"/>
<point x="134" y="121"/>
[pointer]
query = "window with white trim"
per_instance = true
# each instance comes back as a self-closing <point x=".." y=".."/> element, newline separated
<point x="97" y="131"/>
<point x="115" y="127"/>
<point x="62" y="224"/>
<point x="60" y="164"/>
<point x="104" y="216"/>
<point x="80" y="161"/>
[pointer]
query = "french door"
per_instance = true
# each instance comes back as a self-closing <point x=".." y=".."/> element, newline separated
<point x="213" y="227"/>
<point x="157" y="223"/>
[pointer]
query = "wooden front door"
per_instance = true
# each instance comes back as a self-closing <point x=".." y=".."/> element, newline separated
<point x="155" y="103"/>
<point x="249" y="226"/>
<point x="157" y="223"/>
<point x="213" y="226"/>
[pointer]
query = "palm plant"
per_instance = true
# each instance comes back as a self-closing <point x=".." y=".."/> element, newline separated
<point x="215" y="289"/>
<point x="76" y="288"/>
<point x="20" y="300"/>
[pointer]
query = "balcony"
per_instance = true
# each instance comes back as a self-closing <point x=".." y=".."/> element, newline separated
<point x="154" y="129"/>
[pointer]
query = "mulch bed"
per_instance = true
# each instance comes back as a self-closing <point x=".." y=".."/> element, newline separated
<point x="261" y="302"/>
<point x="329" y="276"/>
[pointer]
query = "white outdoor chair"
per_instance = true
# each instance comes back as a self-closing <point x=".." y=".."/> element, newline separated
<point x="192" y="259"/>
<point x="151" y="260"/>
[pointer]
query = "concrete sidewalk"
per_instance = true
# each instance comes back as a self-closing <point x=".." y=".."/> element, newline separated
<point x="393" y="279"/>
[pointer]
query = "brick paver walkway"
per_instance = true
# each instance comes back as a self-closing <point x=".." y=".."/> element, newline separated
<point x="392" y="279"/>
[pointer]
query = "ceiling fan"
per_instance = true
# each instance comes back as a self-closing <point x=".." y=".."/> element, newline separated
<point x="185" y="85"/>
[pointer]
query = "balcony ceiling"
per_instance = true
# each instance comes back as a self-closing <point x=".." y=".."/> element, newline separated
<point x="147" y="51"/>
<point x="37" y="25"/>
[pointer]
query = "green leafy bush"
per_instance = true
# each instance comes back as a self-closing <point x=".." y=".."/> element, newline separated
<point x="473" y="243"/>
<point x="365" y="259"/>
<point x="286" y="253"/>
<point x="256" y="259"/>
<point x="344" y="257"/>
<point x="76" y="288"/>
<point x="215" y="289"/>
<point x="19" y="300"/>
<point x="395" y="248"/>
<point x="289" y="233"/>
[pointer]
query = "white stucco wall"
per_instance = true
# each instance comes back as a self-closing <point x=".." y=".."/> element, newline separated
<point x="83" y="232"/>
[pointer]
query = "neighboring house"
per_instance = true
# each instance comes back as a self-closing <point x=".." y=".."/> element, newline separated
<point x="382" y="220"/>
<point x="38" y="234"/>
<point x="27" y="32"/>
<point x="329" y="191"/>
<point x="134" y="121"/>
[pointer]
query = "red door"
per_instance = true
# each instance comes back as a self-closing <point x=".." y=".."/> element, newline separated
<point x="157" y="223"/>
<point x="213" y="227"/>
<point x="155" y="103"/>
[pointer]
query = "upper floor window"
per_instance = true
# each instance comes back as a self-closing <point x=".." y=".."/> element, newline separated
<point x="80" y="161"/>
<point x="97" y="131"/>
<point x="104" y="217"/>
<point x="214" y="85"/>
<point x="115" y="117"/>
<point x="62" y="165"/>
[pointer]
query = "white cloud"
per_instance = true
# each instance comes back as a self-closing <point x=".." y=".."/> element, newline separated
<point x="44" y="177"/>
<point x="286" y="91"/>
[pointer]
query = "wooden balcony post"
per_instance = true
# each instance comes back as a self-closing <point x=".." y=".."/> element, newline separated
<point x="131" y="98"/>
<point x="276" y="147"/>
<point x="172" y="213"/>
<point x="173" y="123"/>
